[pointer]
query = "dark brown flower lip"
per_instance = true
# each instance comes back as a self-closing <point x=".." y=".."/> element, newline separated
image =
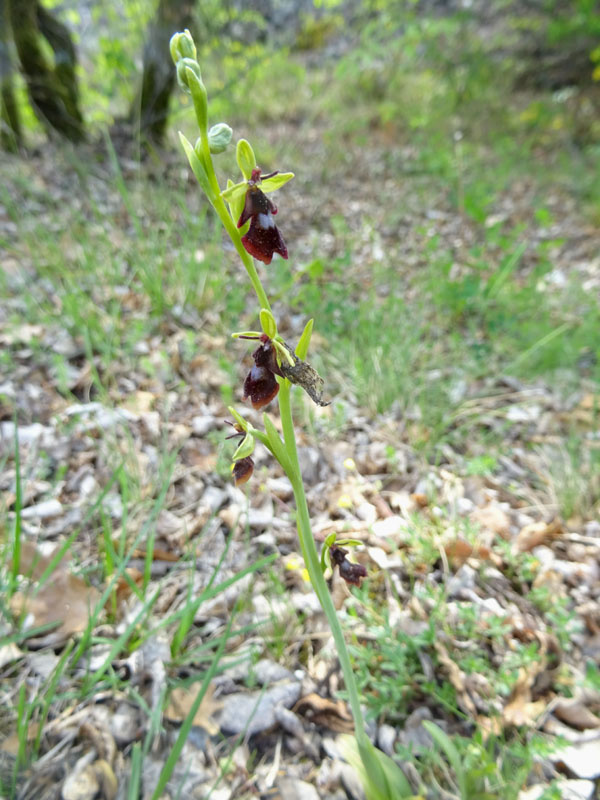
<point x="351" y="573"/>
<point x="263" y="238"/>
<point x="260" y="386"/>
<point x="242" y="470"/>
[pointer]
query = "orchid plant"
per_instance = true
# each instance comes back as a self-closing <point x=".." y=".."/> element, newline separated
<point x="247" y="215"/>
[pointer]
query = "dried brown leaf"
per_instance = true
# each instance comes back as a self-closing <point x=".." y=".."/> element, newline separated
<point x="181" y="701"/>
<point x="459" y="551"/>
<point x="321" y="711"/>
<point x="64" y="599"/>
<point x="535" y="534"/>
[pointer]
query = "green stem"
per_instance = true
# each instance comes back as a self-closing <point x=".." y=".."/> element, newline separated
<point x="312" y="562"/>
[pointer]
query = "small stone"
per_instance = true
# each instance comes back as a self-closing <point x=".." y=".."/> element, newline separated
<point x="44" y="510"/>
<point x="582" y="759"/>
<point x="254" y="712"/>
<point x="386" y="738"/>
<point x="568" y="790"/>
<point x="267" y="672"/>
<point x="392" y="527"/>
<point x="293" y="789"/>
<point x="203" y="424"/>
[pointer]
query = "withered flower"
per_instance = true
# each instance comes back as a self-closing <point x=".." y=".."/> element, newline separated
<point x="263" y="237"/>
<point x="242" y="470"/>
<point x="351" y="573"/>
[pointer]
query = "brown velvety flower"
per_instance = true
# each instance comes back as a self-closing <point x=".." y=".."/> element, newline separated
<point x="351" y="573"/>
<point x="242" y="470"/>
<point x="263" y="237"/>
<point x="260" y="386"/>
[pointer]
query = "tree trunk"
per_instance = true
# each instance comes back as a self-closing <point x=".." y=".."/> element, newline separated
<point x="52" y="88"/>
<point x="10" y="125"/>
<point x="158" y="79"/>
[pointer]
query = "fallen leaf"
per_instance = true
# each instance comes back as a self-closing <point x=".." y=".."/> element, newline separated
<point x="321" y="711"/>
<point x="520" y="709"/>
<point x="459" y="551"/>
<point x="64" y="599"/>
<point x="535" y="534"/>
<point x="181" y="701"/>
<point x="493" y="518"/>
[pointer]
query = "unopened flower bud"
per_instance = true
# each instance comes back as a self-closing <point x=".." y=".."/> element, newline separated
<point x="182" y="78"/>
<point x="182" y="46"/>
<point x="219" y="137"/>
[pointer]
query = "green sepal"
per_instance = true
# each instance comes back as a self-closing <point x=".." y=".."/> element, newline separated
<point x="244" y="424"/>
<point x="219" y="137"/>
<point x="325" y="557"/>
<point x="245" y="158"/>
<point x="267" y="323"/>
<point x="234" y="190"/>
<point x="284" y="353"/>
<point x="235" y="199"/>
<point x="245" y="449"/>
<point x="246" y="334"/>
<point x="199" y="96"/>
<point x="276" y="182"/>
<point x="349" y="542"/>
<point x="196" y="165"/>
<point x="303" y="344"/>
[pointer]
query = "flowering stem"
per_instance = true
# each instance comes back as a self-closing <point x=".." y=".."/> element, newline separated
<point x="220" y="207"/>
<point x="311" y="557"/>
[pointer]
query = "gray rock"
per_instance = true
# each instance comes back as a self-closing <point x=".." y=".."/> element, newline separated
<point x="293" y="789"/>
<point x="267" y="672"/>
<point x="386" y="738"/>
<point x="255" y="712"/>
<point x="414" y="734"/>
<point x="202" y="425"/>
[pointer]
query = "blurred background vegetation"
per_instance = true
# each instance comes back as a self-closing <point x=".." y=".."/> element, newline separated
<point x="402" y="119"/>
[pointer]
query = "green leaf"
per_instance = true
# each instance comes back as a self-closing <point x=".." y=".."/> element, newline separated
<point x="277" y="446"/>
<point x="303" y="344"/>
<point x="245" y="449"/>
<point x="445" y="743"/>
<point x="245" y="158"/>
<point x="382" y="778"/>
<point x="196" y="165"/>
<point x="267" y="323"/>
<point x="276" y="182"/>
